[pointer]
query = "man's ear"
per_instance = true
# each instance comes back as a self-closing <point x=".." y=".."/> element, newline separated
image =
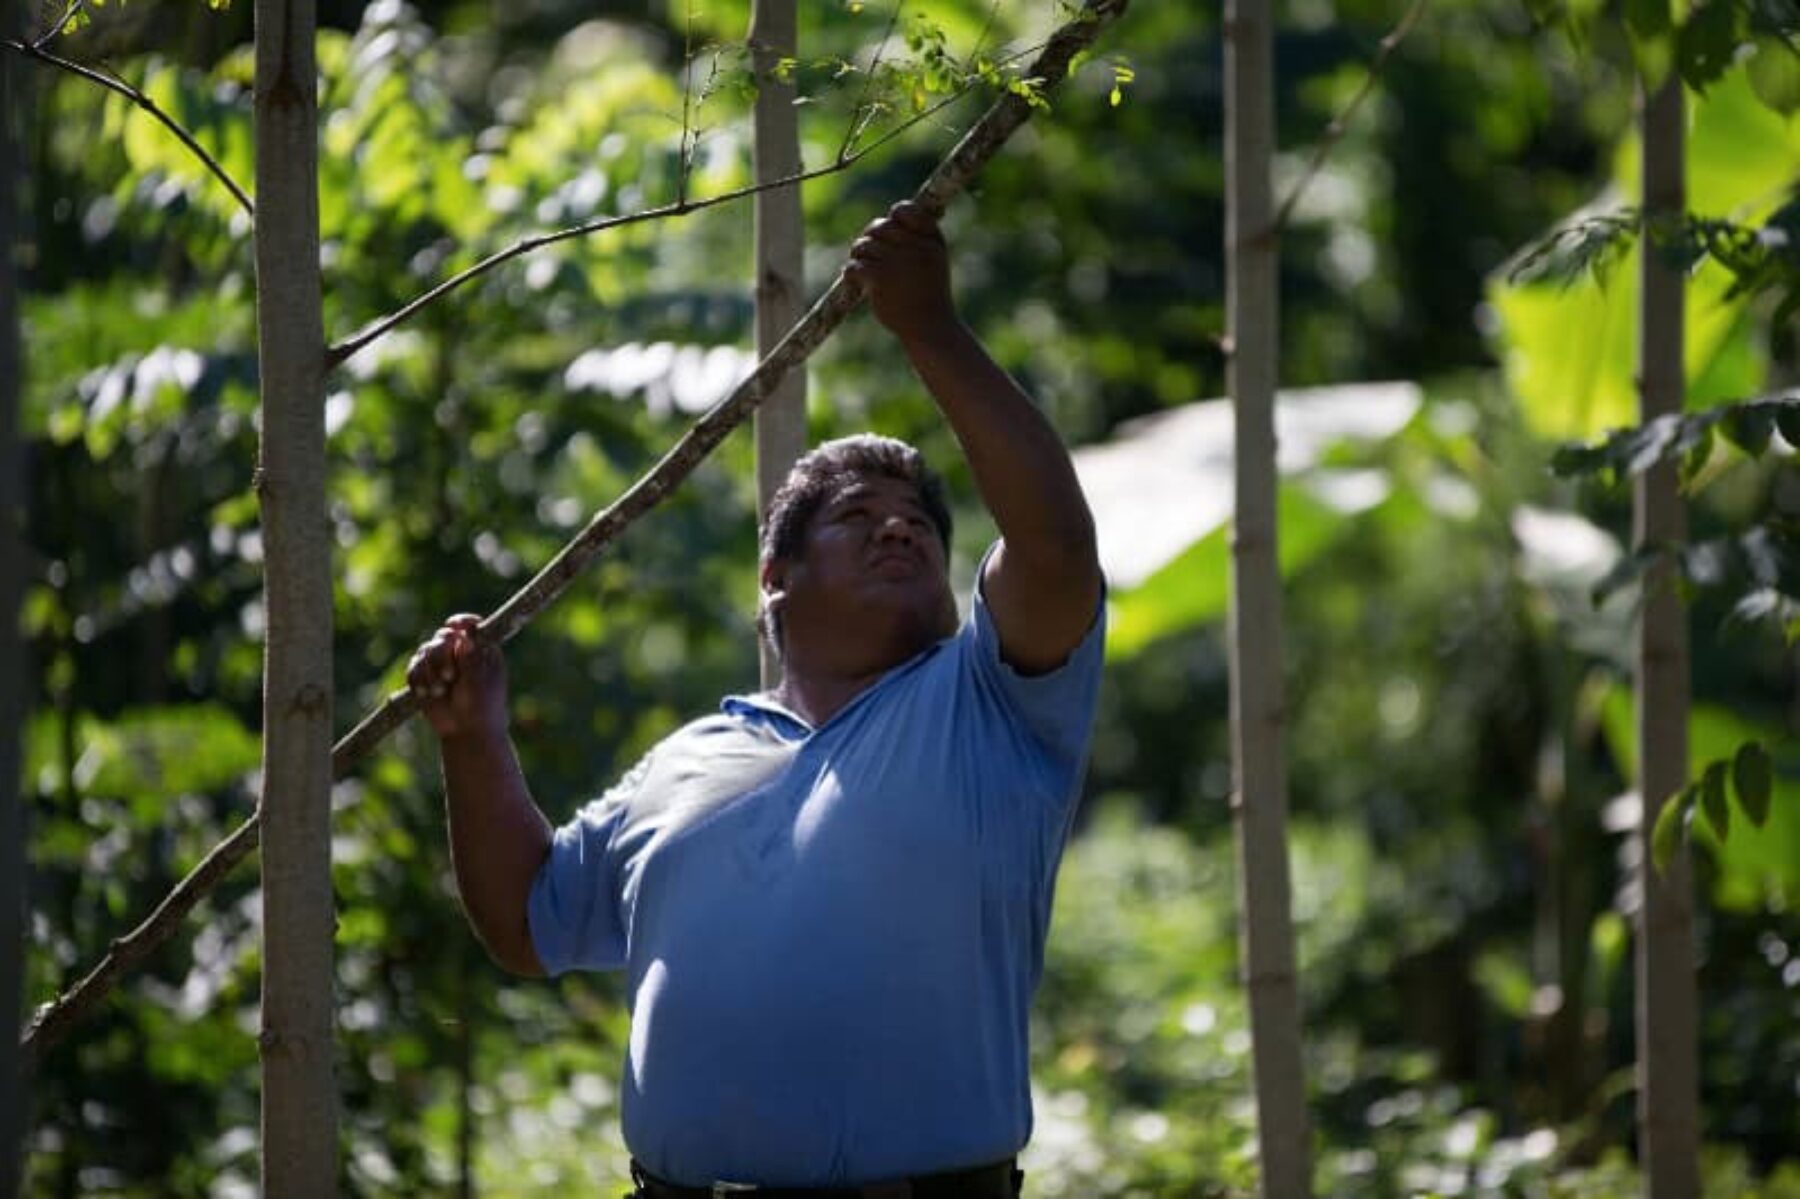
<point x="773" y="577"/>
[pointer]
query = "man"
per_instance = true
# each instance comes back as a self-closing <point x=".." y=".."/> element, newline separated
<point x="830" y="900"/>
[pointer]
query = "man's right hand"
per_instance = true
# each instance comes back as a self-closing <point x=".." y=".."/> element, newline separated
<point x="460" y="684"/>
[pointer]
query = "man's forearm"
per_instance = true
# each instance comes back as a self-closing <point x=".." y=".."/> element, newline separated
<point x="498" y="841"/>
<point x="1019" y="463"/>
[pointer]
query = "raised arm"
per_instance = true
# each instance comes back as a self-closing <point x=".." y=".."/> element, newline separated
<point x="498" y="837"/>
<point x="1043" y="583"/>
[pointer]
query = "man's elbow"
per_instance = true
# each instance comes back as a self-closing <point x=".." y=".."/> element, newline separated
<point x="512" y="951"/>
<point x="523" y="963"/>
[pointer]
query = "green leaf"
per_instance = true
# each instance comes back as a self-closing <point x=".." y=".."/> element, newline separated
<point x="1671" y="822"/>
<point x="1626" y="572"/>
<point x="1774" y="74"/>
<point x="1713" y="798"/>
<point x="1650" y="27"/>
<point x="1648" y="18"/>
<point x="1572" y="458"/>
<point x="1787" y="419"/>
<point x="1748" y="428"/>
<point x="1694" y="461"/>
<point x="1707" y="42"/>
<point x="1753" y="779"/>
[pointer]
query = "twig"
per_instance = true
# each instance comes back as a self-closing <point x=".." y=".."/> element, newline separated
<point x="115" y="84"/>
<point x="859" y="119"/>
<point x="683" y="156"/>
<point x="987" y="27"/>
<point x="335" y="355"/>
<point x="62" y="23"/>
<point x="971" y="154"/>
<point x="1334" y="132"/>
<point x="54" y="1020"/>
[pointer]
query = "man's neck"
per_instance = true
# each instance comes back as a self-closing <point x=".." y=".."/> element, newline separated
<point x="817" y="697"/>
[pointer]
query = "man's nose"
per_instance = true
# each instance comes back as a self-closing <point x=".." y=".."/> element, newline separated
<point x="895" y="525"/>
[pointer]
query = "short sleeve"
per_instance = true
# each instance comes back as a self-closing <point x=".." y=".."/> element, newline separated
<point x="573" y="910"/>
<point x="1058" y="706"/>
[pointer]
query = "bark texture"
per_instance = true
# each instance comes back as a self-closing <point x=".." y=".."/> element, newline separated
<point x="780" y="242"/>
<point x="1257" y="715"/>
<point x="952" y="175"/>
<point x="299" y="1103"/>
<point x="1667" y="1027"/>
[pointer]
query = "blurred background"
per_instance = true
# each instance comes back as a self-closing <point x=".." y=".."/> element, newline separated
<point x="1459" y="744"/>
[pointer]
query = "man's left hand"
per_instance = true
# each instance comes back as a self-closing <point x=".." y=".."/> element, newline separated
<point x="903" y="265"/>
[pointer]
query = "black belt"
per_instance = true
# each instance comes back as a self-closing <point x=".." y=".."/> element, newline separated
<point x="998" y="1181"/>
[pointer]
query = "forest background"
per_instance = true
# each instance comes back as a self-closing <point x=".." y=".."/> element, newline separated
<point x="1459" y="746"/>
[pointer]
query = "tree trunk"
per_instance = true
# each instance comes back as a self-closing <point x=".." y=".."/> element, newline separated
<point x="1260" y="796"/>
<point x="780" y="287"/>
<point x="12" y="644"/>
<point x="299" y="1107"/>
<point x="1668" y="1053"/>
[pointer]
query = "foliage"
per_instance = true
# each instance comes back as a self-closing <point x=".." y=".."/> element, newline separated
<point x="1451" y="766"/>
<point x="1567" y="306"/>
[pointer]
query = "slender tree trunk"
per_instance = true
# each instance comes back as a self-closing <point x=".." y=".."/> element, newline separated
<point x="780" y="287"/>
<point x="299" y="1116"/>
<point x="12" y="644"/>
<point x="1260" y="796"/>
<point x="1668" y="1052"/>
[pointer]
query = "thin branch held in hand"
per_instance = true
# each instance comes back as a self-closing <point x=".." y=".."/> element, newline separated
<point x="115" y="84"/>
<point x="1340" y="124"/>
<point x="952" y="176"/>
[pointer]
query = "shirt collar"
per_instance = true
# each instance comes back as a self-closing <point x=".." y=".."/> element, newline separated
<point x="761" y="707"/>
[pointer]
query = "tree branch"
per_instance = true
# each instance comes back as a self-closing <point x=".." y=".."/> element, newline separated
<point x="859" y="118"/>
<point x="54" y="1020"/>
<point x="952" y="175"/>
<point x="336" y="355"/>
<point x="1340" y="124"/>
<point x="55" y="31"/>
<point x="114" y="84"/>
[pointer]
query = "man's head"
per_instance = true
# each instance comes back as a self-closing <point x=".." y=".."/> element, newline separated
<point x="854" y="550"/>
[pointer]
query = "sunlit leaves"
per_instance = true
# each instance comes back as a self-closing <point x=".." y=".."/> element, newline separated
<point x="1750" y="774"/>
<point x="1588" y="247"/>
<point x="216" y="114"/>
<point x="150" y="755"/>
<point x="1748" y="425"/>
<point x="1774" y="72"/>
<point x="1650" y="25"/>
<point x="1758" y="862"/>
<point x="1569" y="351"/>
<point x="1123" y="77"/>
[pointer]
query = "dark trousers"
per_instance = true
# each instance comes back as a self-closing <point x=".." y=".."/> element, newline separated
<point x="1002" y="1180"/>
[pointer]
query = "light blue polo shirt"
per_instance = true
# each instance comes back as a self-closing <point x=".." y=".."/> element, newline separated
<point x="832" y="935"/>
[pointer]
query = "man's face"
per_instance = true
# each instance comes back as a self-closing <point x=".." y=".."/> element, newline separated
<point x="870" y="580"/>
